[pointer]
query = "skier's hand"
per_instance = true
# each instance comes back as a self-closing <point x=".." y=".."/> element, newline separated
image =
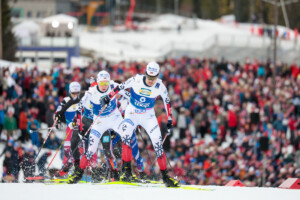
<point x="76" y="122"/>
<point x="92" y="80"/>
<point x="82" y="135"/>
<point x="104" y="101"/>
<point x="59" y="116"/>
<point x="170" y="126"/>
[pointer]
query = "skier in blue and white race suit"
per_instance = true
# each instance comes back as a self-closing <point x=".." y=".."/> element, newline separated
<point x="123" y="102"/>
<point x="144" y="91"/>
<point x="110" y="118"/>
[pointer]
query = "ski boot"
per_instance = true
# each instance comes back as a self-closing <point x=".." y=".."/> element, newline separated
<point x="114" y="175"/>
<point x="135" y="179"/>
<point x="76" y="167"/>
<point x="126" y="173"/>
<point x="143" y="177"/>
<point x="77" y="177"/>
<point x="64" y="171"/>
<point x="97" y="175"/>
<point x="168" y="181"/>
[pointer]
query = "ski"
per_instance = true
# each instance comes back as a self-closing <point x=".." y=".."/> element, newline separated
<point x="185" y="187"/>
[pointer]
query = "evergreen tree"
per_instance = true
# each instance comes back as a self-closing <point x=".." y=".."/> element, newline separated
<point x="9" y="44"/>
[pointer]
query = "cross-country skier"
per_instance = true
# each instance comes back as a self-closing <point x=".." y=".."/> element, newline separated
<point x="87" y="120"/>
<point x="110" y="118"/>
<point x="74" y="90"/>
<point x="144" y="91"/>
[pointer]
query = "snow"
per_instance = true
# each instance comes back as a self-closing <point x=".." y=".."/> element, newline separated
<point x="39" y="191"/>
<point x="159" y="37"/>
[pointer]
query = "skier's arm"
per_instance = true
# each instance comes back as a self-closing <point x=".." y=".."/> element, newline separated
<point x="87" y="97"/>
<point x="124" y="93"/>
<point x="167" y="103"/>
<point x="121" y="87"/>
<point x="71" y="102"/>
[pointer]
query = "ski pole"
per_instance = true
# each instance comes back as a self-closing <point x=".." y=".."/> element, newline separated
<point x="59" y="148"/>
<point x="45" y="139"/>
<point x="41" y="129"/>
<point x="86" y="133"/>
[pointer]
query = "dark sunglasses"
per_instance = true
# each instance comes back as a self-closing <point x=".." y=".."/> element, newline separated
<point x="152" y="78"/>
<point x="76" y="93"/>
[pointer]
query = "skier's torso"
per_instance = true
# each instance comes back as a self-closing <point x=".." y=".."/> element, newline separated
<point x="71" y="111"/>
<point x="143" y="97"/>
<point x="94" y="101"/>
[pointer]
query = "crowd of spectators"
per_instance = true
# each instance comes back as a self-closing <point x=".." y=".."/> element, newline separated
<point x="221" y="110"/>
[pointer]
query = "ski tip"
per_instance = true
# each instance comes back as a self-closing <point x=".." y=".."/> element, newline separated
<point x="35" y="178"/>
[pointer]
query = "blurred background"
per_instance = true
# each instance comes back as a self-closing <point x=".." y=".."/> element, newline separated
<point x="231" y="68"/>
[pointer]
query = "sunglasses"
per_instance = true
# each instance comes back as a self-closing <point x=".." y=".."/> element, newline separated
<point x="76" y="93"/>
<point x="152" y="78"/>
<point x="103" y="83"/>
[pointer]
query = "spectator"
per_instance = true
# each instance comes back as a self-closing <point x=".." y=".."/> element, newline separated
<point x="41" y="163"/>
<point x="8" y="176"/>
<point x="27" y="164"/>
<point x="10" y="123"/>
<point x="15" y="161"/>
<point x="32" y="128"/>
<point x="23" y="126"/>
<point x="52" y="142"/>
<point x="2" y="117"/>
<point x="8" y="147"/>
<point x="50" y="115"/>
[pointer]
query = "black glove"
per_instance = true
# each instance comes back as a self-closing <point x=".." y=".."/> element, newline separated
<point x="104" y="101"/>
<point x="170" y="126"/>
<point x="58" y="118"/>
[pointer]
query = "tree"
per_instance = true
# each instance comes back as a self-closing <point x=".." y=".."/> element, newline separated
<point x="9" y="44"/>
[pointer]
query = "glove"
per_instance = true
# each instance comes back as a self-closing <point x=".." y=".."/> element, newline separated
<point x="92" y="80"/>
<point x="82" y="135"/>
<point x="170" y="126"/>
<point x="104" y="101"/>
<point x="76" y="123"/>
<point x="59" y="116"/>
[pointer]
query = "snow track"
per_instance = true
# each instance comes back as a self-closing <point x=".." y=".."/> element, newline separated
<point x="40" y="191"/>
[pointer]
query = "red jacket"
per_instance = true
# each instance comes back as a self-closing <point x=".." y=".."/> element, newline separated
<point x="232" y="119"/>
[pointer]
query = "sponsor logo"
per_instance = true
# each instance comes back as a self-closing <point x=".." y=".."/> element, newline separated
<point x="126" y="121"/>
<point x="145" y="91"/>
<point x="139" y="111"/>
<point x="143" y="99"/>
<point x="140" y="104"/>
<point x="122" y="86"/>
<point x="104" y="75"/>
<point x="152" y="69"/>
<point x="155" y="127"/>
<point x="157" y="85"/>
<point x="106" y="139"/>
